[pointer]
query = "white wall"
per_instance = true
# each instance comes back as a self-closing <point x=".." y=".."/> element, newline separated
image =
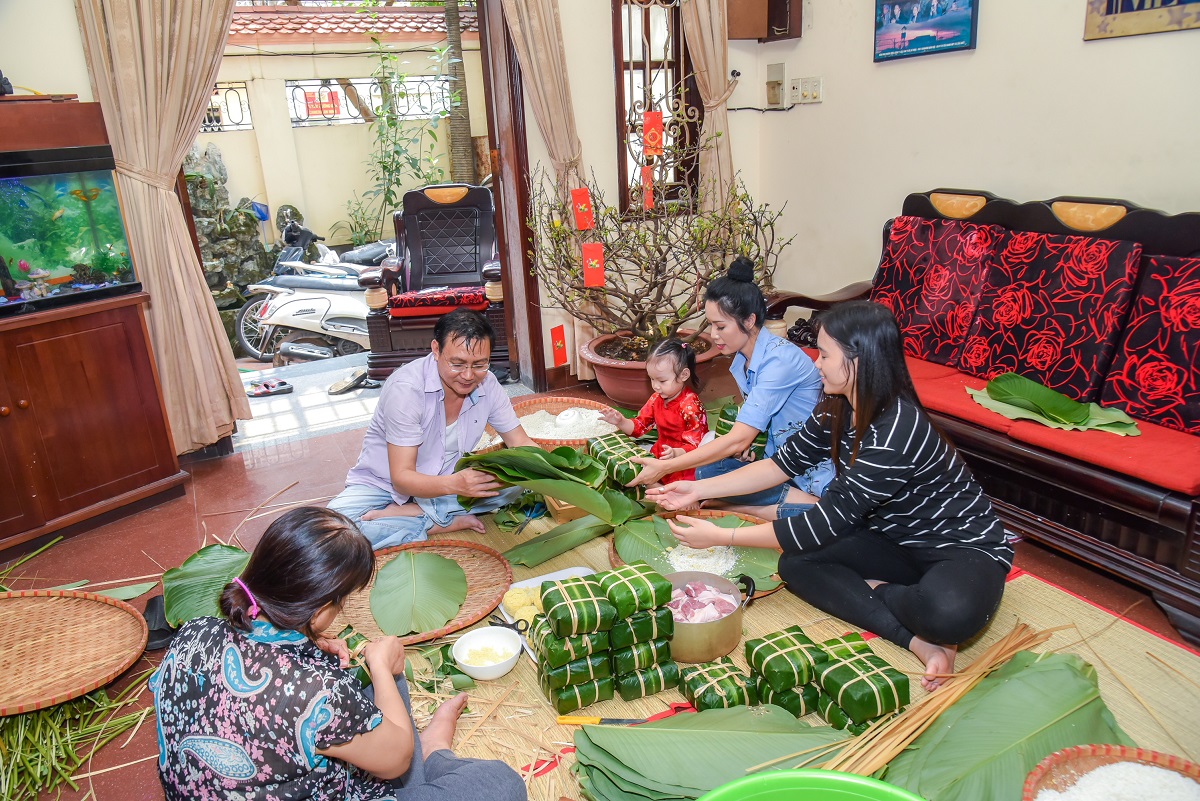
<point x="41" y="47"/>
<point x="318" y="169"/>
<point x="1034" y="112"/>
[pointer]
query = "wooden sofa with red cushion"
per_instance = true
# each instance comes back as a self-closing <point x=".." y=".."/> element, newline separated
<point x="1097" y="299"/>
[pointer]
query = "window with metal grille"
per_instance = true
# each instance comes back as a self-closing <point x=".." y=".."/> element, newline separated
<point x="228" y="109"/>
<point x="654" y="74"/>
<point x="339" y="101"/>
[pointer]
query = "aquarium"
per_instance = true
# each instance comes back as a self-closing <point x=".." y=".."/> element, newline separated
<point x="62" y="239"/>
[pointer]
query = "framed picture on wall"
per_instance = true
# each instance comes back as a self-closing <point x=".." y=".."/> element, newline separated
<point x="1109" y="18"/>
<point x="906" y="28"/>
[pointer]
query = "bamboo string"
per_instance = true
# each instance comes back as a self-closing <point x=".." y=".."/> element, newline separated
<point x="157" y="563"/>
<point x="280" y="506"/>
<point x="136" y="728"/>
<point x="272" y="506"/>
<point x="491" y="709"/>
<point x="90" y="774"/>
<point x="1137" y="697"/>
<point x="234" y="536"/>
<point x="777" y="760"/>
<point x="1166" y="664"/>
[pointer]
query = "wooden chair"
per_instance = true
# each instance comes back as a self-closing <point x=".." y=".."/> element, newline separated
<point x="445" y="254"/>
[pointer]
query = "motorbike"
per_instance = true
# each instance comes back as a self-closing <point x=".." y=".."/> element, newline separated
<point x="308" y="311"/>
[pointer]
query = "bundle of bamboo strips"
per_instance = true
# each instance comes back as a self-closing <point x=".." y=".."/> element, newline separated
<point x="881" y="743"/>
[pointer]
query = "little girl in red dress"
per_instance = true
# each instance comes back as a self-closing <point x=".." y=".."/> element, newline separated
<point x="674" y="408"/>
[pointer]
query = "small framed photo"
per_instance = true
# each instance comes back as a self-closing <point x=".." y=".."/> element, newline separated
<point x="906" y="28"/>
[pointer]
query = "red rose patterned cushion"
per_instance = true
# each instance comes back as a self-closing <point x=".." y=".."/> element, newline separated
<point x="435" y="302"/>
<point x="1156" y="373"/>
<point x="930" y="276"/>
<point x="1051" y="310"/>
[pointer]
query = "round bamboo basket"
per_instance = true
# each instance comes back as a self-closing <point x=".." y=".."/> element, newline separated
<point x="555" y="406"/>
<point x="1062" y="769"/>
<point x="615" y="559"/>
<point x="488" y="577"/>
<point x="56" y="645"/>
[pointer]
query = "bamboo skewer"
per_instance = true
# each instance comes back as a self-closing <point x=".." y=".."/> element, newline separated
<point x="487" y="715"/>
<point x="92" y="773"/>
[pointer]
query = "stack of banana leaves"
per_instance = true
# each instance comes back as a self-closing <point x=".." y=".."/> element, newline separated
<point x="673" y="758"/>
<point x="566" y="475"/>
<point x="979" y="749"/>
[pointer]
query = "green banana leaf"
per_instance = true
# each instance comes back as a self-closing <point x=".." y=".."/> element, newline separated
<point x="649" y="540"/>
<point x="194" y="588"/>
<point x="528" y="461"/>
<point x="982" y="747"/>
<point x="1019" y="398"/>
<point x="557" y="541"/>
<point x="417" y="592"/>
<point x="664" y="759"/>
<point x="128" y="591"/>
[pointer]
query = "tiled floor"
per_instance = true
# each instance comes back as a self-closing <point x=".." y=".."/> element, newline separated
<point x="222" y="492"/>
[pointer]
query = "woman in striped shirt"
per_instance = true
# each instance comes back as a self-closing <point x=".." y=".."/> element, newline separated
<point x="903" y="543"/>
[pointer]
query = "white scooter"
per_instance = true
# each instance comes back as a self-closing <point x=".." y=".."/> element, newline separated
<point x="307" y="311"/>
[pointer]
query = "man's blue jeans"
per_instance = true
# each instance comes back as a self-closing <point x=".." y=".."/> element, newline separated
<point x="384" y="532"/>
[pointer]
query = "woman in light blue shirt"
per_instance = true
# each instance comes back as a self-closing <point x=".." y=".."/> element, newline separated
<point x="780" y="385"/>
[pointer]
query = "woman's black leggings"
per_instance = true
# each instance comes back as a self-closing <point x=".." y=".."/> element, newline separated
<point x="943" y="595"/>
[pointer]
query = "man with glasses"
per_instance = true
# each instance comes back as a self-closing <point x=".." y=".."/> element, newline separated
<point x="432" y="411"/>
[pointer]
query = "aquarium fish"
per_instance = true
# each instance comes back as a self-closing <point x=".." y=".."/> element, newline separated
<point x="23" y="266"/>
<point x="87" y="196"/>
<point x="58" y="214"/>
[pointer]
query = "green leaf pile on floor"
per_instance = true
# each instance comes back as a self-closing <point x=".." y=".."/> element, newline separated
<point x="563" y="473"/>
<point x="673" y="758"/>
<point x="194" y="588"/>
<point x="982" y="747"/>
<point x="417" y="592"/>
<point x="649" y="540"/>
<point x="1019" y="398"/>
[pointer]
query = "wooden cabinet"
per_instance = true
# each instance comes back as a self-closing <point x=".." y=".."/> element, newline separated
<point x="82" y="426"/>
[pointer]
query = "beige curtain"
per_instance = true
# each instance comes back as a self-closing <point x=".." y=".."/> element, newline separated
<point x="706" y="29"/>
<point x="153" y="64"/>
<point x="537" y="38"/>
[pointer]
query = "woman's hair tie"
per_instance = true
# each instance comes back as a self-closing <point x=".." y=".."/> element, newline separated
<point x="253" y="612"/>
<point x="683" y="345"/>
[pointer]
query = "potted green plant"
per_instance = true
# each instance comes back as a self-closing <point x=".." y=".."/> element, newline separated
<point x="659" y="255"/>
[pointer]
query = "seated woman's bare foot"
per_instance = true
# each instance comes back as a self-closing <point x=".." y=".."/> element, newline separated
<point x="938" y="659"/>
<point x="873" y="583"/>
<point x="460" y="523"/>
<point x="439" y="734"/>
<point x="394" y="510"/>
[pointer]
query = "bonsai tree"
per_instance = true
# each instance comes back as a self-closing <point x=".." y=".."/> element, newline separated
<point x="659" y="255"/>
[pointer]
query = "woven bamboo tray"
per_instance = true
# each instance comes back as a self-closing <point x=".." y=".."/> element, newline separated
<point x="1062" y="769"/>
<point x="488" y="577"/>
<point x="615" y="559"/>
<point x="56" y="645"/>
<point x="554" y="406"/>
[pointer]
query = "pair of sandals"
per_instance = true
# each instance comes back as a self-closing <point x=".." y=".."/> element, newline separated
<point x="356" y="380"/>
<point x="272" y="386"/>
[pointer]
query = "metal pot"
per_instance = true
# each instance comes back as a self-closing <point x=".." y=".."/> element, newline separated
<point x="704" y="642"/>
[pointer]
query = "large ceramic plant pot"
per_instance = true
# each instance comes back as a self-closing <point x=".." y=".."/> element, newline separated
<point x="625" y="382"/>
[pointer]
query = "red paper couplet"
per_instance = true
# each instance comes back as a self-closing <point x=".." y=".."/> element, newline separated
<point x="593" y="264"/>
<point x="558" y="338"/>
<point x="647" y="187"/>
<point x="652" y="133"/>
<point x="581" y="204"/>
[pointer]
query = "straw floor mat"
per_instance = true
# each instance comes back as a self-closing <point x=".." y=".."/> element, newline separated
<point x="1130" y="678"/>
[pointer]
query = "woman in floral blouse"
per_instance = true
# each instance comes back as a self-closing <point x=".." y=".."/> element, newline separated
<point x="256" y="705"/>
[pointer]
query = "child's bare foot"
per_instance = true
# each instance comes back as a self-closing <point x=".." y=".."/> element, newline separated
<point x="439" y="734"/>
<point x="394" y="510"/>
<point x="938" y="659"/>
<point x="460" y="523"/>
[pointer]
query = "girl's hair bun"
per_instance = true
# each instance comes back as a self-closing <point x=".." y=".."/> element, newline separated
<point x="742" y="269"/>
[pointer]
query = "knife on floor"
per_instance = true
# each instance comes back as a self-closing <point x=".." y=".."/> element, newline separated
<point x="578" y="720"/>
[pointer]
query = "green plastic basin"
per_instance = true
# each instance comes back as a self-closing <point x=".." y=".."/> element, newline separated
<point x="817" y="785"/>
